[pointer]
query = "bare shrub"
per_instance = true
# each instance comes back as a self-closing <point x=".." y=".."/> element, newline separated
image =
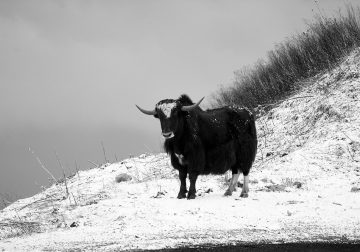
<point x="302" y="56"/>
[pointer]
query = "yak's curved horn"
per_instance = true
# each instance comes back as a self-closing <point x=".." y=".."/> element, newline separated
<point x="191" y="107"/>
<point x="146" y="112"/>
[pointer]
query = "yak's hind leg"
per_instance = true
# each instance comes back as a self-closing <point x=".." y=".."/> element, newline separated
<point x="233" y="184"/>
<point x="245" y="188"/>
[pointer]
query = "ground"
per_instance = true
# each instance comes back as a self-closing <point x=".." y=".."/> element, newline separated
<point x="304" y="187"/>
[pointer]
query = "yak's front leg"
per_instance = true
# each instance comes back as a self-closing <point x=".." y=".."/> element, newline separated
<point x="183" y="191"/>
<point x="192" y="190"/>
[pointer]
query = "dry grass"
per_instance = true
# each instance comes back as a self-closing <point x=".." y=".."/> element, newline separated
<point x="13" y="228"/>
<point x="286" y="67"/>
<point x="156" y="168"/>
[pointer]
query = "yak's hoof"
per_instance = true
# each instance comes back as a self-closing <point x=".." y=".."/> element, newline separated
<point x="228" y="192"/>
<point x="191" y="196"/>
<point x="244" y="195"/>
<point x="181" y="195"/>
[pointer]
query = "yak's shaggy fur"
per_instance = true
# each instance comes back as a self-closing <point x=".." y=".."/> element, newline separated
<point x="212" y="141"/>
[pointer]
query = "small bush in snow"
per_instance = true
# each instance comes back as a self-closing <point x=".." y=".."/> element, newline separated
<point x="123" y="177"/>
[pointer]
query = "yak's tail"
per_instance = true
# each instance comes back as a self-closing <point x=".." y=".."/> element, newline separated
<point x="254" y="142"/>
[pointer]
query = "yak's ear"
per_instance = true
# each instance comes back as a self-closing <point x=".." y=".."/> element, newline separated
<point x="156" y="115"/>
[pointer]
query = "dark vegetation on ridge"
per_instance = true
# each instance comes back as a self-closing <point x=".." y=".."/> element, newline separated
<point x="321" y="47"/>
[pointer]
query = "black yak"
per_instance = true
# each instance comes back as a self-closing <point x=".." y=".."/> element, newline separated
<point x="203" y="142"/>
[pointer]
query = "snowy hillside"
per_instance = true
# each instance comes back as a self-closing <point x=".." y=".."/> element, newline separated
<point x="304" y="186"/>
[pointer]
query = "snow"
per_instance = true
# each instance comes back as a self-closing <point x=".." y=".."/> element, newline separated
<point x="301" y="184"/>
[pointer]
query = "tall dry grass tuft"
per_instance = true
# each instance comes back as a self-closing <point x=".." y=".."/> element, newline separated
<point x="303" y="56"/>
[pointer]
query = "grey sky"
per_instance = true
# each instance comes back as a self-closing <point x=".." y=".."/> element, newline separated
<point x="71" y="71"/>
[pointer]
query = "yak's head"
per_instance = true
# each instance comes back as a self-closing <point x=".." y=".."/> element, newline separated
<point x="171" y="114"/>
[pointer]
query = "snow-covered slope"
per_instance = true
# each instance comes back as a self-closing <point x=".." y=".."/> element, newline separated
<point x="304" y="186"/>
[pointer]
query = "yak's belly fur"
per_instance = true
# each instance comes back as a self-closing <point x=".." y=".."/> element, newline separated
<point x="220" y="159"/>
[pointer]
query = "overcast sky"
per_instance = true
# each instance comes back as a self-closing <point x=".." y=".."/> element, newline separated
<point x="71" y="71"/>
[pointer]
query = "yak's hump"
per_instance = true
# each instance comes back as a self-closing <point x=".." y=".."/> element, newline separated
<point x="185" y="100"/>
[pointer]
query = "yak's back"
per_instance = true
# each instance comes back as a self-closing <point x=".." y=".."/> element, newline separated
<point x="230" y="114"/>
